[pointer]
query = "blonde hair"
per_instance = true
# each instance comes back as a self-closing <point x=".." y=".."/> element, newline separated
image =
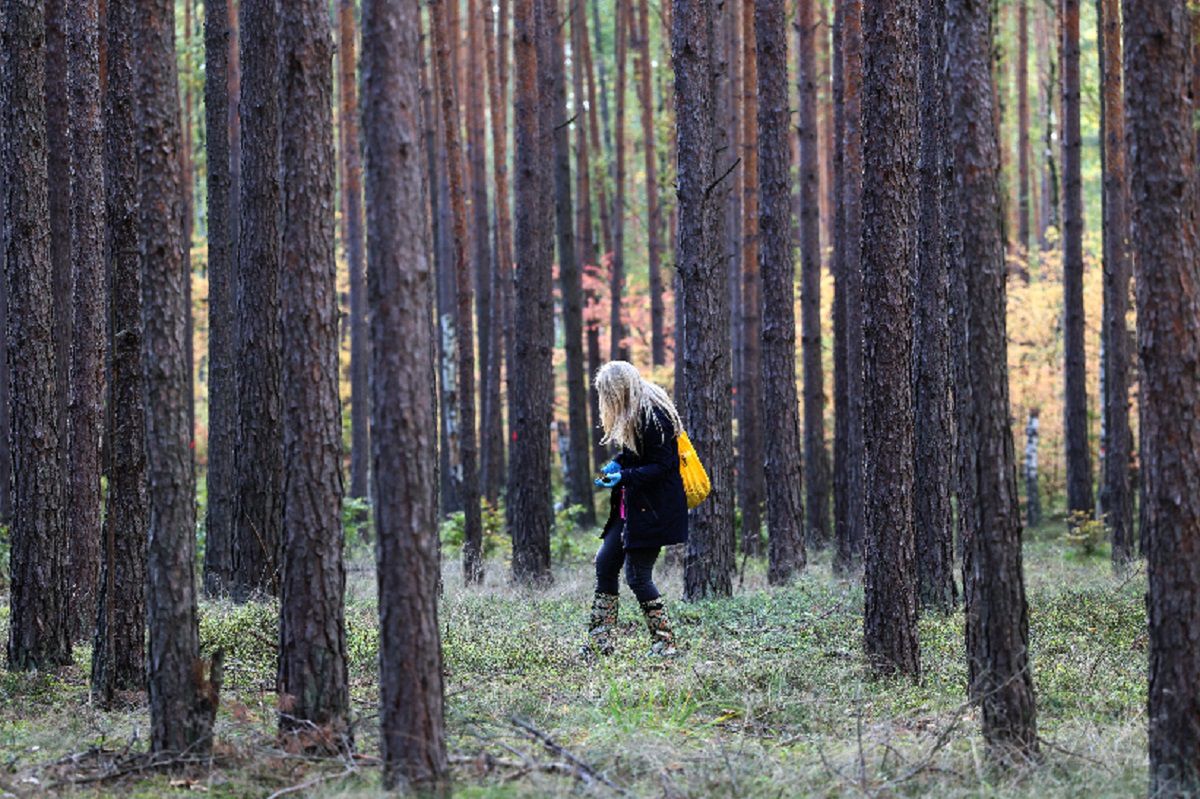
<point x="624" y="398"/>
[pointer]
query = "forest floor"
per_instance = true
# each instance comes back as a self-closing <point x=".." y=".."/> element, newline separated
<point x="770" y="698"/>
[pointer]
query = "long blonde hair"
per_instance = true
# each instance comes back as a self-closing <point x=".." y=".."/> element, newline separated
<point x="624" y="398"/>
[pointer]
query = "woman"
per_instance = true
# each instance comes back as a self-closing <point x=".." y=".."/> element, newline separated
<point x="648" y="509"/>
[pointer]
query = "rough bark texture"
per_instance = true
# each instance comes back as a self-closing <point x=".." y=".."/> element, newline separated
<point x="222" y="308"/>
<point x="530" y="375"/>
<point x="119" y="648"/>
<point x="933" y="463"/>
<point x="816" y="459"/>
<point x="87" y="296"/>
<point x="182" y="701"/>
<point x="1000" y="678"/>
<point x="707" y="375"/>
<point x="1079" y="459"/>
<point x="751" y="478"/>
<point x="1162" y="170"/>
<point x="399" y="281"/>
<point x="783" y="465"/>
<point x="312" y="630"/>
<point x="850" y="532"/>
<point x="616" y="325"/>
<point x="360" y="404"/>
<point x="1024" y="204"/>
<point x="579" y="475"/>
<point x="1116" y="498"/>
<point x="463" y="320"/>
<point x="258" y="519"/>
<point x="38" y="631"/>
<point x="658" y="345"/>
<point x="889" y="252"/>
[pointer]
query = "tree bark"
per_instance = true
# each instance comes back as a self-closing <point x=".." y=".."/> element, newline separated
<point x="312" y="632"/>
<point x="360" y="410"/>
<point x="851" y="533"/>
<point x="707" y="375"/>
<point x="1023" y="184"/>
<point x="1033" y="499"/>
<point x="642" y="65"/>
<point x="399" y="289"/>
<point x="751" y="478"/>
<point x="889" y="251"/>
<point x="530" y="376"/>
<point x="1000" y="678"/>
<point x="815" y="457"/>
<point x="222" y="306"/>
<point x="463" y="322"/>
<point x="38" y="629"/>
<point x="783" y="465"/>
<point x="119" y="648"/>
<point x="1162" y="153"/>
<point x="183" y="701"/>
<point x="1115" y="493"/>
<point x="617" y="349"/>
<point x="258" y="519"/>
<point x="1079" y="460"/>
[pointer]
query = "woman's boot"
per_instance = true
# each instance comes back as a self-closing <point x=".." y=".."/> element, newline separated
<point x="659" y="623"/>
<point x="603" y="624"/>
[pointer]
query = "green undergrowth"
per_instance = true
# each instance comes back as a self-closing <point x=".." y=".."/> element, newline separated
<point x="769" y="699"/>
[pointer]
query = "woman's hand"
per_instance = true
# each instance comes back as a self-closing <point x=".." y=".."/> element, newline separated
<point x="610" y="480"/>
<point x="612" y="467"/>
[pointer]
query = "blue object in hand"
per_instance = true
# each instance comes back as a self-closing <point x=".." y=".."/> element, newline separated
<point x="610" y="481"/>
<point x="612" y="467"/>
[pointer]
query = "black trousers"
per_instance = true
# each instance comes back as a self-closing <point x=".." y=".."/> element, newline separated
<point x="638" y="563"/>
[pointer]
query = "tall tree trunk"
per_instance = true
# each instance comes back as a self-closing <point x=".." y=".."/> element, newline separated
<point x="87" y="296"/>
<point x="617" y="349"/>
<point x="783" y="465"/>
<point x="312" y="631"/>
<point x="413" y="727"/>
<point x="258" y="520"/>
<point x="1033" y="500"/>
<point x="360" y="408"/>
<point x="119" y="648"/>
<point x="186" y="169"/>
<point x="531" y="378"/>
<point x="183" y="701"/>
<point x="1117" y="502"/>
<point x="1023" y="183"/>
<point x="1079" y="460"/>
<point x="889" y="252"/>
<point x="1000" y="678"/>
<point x="815" y="457"/>
<point x="222" y="305"/>
<point x="473" y="541"/>
<point x="751" y="478"/>
<point x="852" y="533"/>
<point x="1162" y="150"/>
<point x="38" y="629"/>
<point x="837" y="266"/>
<point x="707" y="376"/>
<point x="658" y="347"/>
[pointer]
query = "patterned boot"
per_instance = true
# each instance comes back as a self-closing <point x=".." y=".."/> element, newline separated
<point x="602" y="624"/>
<point x="660" y="628"/>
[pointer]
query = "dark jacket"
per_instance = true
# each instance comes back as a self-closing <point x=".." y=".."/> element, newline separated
<point x="655" y="507"/>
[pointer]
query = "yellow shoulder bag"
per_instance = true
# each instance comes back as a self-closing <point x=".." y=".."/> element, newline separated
<point x="696" y="484"/>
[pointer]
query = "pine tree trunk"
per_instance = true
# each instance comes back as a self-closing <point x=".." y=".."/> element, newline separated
<point x="1000" y="678"/>
<point x="87" y="296"/>
<point x="815" y="457"/>
<point x="312" y="635"/>
<point x="851" y="535"/>
<point x="360" y="408"/>
<point x="258" y="520"/>
<point x="707" y="375"/>
<point x="399" y="280"/>
<point x="837" y="266"/>
<point x="222" y="306"/>
<point x="751" y="479"/>
<point x="1023" y="184"/>
<point x="1115" y="493"/>
<point x="1079" y="461"/>
<point x="889" y="253"/>
<point x="182" y="700"/>
<point x="658" y="347"/>
<point x="38" y="629"/>
<point x="463" y="322"/>
<point x="531" y="379"/>
<point x="119" y="648"/>
<point x="783" y="465"/>
<point x="617" y="349"/>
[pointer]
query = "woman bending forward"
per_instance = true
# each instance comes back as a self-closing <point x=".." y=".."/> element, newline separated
<point x="648" y="509"/>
